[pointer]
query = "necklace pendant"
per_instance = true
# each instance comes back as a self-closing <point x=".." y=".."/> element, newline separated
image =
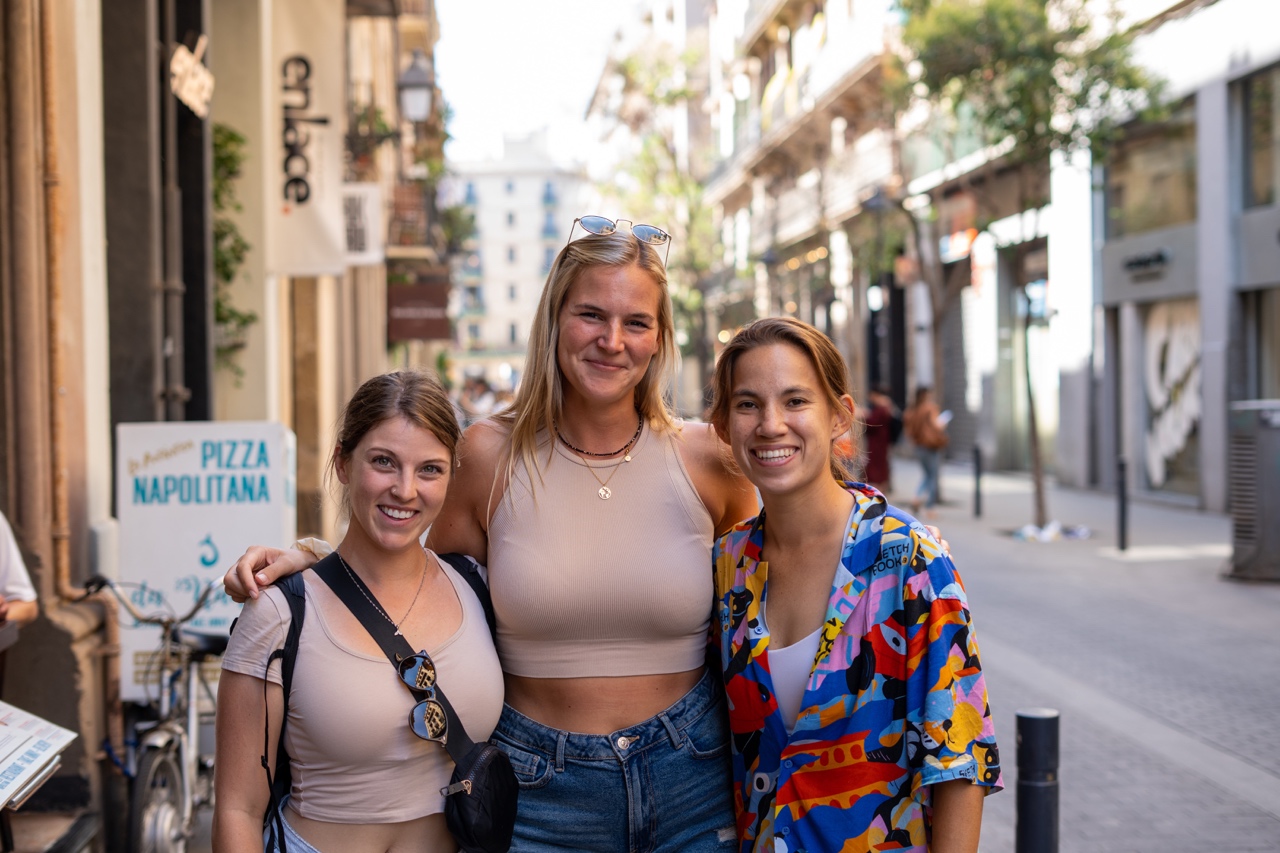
<point x="627" y="458"/>
<point x="398" y="634"/>
<point x="604" y="493"/>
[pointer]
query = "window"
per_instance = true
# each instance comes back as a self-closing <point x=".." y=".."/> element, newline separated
<point x="1151" y="179"/>
<point x="511" y="333"/>
<point x="1261" y="138"/>
<point x="511" y="219"/>
<point x="511" y="293"/>
<point x="548" y="259"/>
<point x="511" y="186"/>
<point x="473" y="298"/>
<point x="549" y="229"/>
<point x="471" y="193"/>
<point x="511" y="254"/>
<point x="473" y="331"/>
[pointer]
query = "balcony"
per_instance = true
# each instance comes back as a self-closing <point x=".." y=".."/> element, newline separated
<point x="854" y="174"/>
<point x="799" y="211"/>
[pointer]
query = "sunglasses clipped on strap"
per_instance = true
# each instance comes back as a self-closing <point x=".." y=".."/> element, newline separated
<point x="427" y="719"/>
<point x="651" y="234"/>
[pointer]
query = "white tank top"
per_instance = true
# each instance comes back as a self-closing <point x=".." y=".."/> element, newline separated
<point x="789" y="667"/>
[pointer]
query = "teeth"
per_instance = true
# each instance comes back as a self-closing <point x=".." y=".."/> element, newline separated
<point x="774" y="454"/>
<point x="398" y="513"/>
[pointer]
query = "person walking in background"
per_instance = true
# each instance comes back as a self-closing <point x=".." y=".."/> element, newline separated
<point x="17" y="595"/>
<point x="927" y="429"/>
<point x="882" y="423"/>
<point x="856" y="696"/>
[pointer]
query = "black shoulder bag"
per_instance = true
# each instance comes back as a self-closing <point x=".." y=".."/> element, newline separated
<point x="480" y="801"/>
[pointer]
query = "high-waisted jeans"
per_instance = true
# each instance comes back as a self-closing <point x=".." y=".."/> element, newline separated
<point x="661" y="786"/>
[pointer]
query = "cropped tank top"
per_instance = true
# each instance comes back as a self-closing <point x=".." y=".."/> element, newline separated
<point x="589" y="587"/>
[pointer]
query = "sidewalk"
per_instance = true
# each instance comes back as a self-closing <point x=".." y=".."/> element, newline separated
<point x="1165" y="673"/>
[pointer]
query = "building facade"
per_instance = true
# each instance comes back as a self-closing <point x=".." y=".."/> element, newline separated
<point x="524" y="204"/>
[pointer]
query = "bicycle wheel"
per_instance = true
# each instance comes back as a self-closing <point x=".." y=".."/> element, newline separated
<point x="155" y="810"/>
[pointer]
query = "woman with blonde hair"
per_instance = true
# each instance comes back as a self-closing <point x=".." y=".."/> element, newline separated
<point x="595" y="511"/>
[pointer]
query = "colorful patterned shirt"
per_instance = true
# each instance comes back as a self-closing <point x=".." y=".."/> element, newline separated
<point x="895" y="702"/>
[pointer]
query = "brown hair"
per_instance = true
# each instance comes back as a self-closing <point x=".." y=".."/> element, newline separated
<point x="817" y="347"/>
<point x="410" y="394"/>
<point x="540" y="397"/>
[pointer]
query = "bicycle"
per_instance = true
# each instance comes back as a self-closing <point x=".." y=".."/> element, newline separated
<point x="171" y="782"/>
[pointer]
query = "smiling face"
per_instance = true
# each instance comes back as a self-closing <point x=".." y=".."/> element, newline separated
<point x="780" y="424"/>
<point x="608" y="334"/>
<point x="396" y="479"/>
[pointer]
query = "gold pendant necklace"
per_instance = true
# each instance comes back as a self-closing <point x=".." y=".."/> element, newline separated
<point x="605" y="492"/>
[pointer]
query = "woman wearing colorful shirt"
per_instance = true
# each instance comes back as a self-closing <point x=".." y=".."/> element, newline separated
<point x="858" y="708"/>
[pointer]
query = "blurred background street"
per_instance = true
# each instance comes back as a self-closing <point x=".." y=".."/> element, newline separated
<point x="219" y="217"/>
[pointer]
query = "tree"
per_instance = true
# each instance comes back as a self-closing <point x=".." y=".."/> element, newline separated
<point x="1036" y="78"/>
<point x="658" y="184"/>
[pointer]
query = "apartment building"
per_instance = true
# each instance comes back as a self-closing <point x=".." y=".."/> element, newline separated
<point x="524" y="203"/>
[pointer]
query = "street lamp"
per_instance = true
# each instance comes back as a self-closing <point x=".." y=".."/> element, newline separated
<point x="417" y="88"/>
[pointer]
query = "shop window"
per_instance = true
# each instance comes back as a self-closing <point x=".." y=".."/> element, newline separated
<point x="1151" y="178"/>
<point x="1261" y="97"/>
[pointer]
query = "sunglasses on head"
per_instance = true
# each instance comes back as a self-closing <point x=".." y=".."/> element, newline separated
<point x="427" y="720"/>
<point x="651" y="234"/>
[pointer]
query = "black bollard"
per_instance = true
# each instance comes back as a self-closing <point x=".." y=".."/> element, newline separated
<point x="1122" y="504"/>
<point x="977" y="481"/>
<point x="1037" y="821"/>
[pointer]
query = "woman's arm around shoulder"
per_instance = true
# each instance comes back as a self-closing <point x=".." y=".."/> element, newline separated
<point x="475" y="489"/>
<point x="724" y="491"/>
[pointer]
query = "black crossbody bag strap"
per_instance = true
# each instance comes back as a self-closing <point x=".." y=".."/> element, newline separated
<point x="469" y="570"/>
<point x="351" y="591"/>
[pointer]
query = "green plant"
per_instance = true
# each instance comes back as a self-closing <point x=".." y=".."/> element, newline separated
<point x="229" y="250"/>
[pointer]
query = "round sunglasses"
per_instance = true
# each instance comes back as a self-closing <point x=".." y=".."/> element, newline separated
<point x="427" y="720"/>
<point x="603" y="226"/>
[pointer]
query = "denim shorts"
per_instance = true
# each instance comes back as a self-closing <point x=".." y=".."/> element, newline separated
<point x="293" y="842"/>
<point x="660" y="786"/>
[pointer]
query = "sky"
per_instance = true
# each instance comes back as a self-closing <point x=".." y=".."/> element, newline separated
<point x="514" y="66"/>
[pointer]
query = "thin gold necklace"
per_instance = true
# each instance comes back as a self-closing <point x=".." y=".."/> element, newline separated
<point x="604" y="491"/>
<point x="421" y="582"/>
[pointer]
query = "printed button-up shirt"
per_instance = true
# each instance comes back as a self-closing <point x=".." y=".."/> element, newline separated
<point x="895" y="701"/>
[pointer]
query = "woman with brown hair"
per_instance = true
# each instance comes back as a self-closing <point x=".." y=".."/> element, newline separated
<point x="856" y="696"/>
<point x="362" y="778"/>
<point x="595" y="511"/>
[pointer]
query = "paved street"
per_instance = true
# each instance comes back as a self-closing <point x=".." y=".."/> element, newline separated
<point x="1164" y="672"/>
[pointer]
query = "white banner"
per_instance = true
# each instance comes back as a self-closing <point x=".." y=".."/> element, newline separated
<point x="309" y="118"/>
<point x="190" y="498"/>
<point x="362" y="212"/>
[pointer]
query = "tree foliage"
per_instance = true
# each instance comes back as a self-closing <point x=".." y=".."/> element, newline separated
<point x="1051" y="76"/>
<point x="229" y="249"/>
<point x="658" y="184"/>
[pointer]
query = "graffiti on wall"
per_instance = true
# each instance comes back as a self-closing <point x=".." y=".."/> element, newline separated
<point x="1172" y="382"/>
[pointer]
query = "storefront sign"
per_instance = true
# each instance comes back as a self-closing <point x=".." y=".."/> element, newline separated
<point x="417" y="301"/>
<point x="190" y="498"/>
<point x="1146" y="266"/>
<point x="189" y="80"/>
<point x="307" y="234"/>
<point x="362" y="214"/>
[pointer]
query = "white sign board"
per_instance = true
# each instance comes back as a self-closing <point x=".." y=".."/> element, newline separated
<point x="362" y="213"/>
<point x="190" y="497"/>
<point x="305" y="151"/>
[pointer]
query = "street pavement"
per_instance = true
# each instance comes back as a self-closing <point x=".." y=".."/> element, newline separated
<point x="1165" y="673"/>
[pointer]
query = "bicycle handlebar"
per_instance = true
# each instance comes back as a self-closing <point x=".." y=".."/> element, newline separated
<point x="97" y="583"/>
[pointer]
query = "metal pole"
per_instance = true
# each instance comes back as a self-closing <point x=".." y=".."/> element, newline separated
<point x="977" y="481"/>
<point x="1037" y="820"/>
<point x="1122" y="504"/>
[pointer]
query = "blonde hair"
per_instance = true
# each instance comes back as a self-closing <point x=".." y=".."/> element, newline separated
<point x="539" y="400"/>
<point x="833" y="376"/>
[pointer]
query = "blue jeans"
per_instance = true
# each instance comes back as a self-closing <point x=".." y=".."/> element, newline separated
<point x="293" y="842"/>
<point x="660" y="786"/>
<point x="929" y="462"/>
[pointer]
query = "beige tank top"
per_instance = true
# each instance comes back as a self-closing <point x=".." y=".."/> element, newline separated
<point x="353" y="757"/>
<point x="589" y="587"/>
